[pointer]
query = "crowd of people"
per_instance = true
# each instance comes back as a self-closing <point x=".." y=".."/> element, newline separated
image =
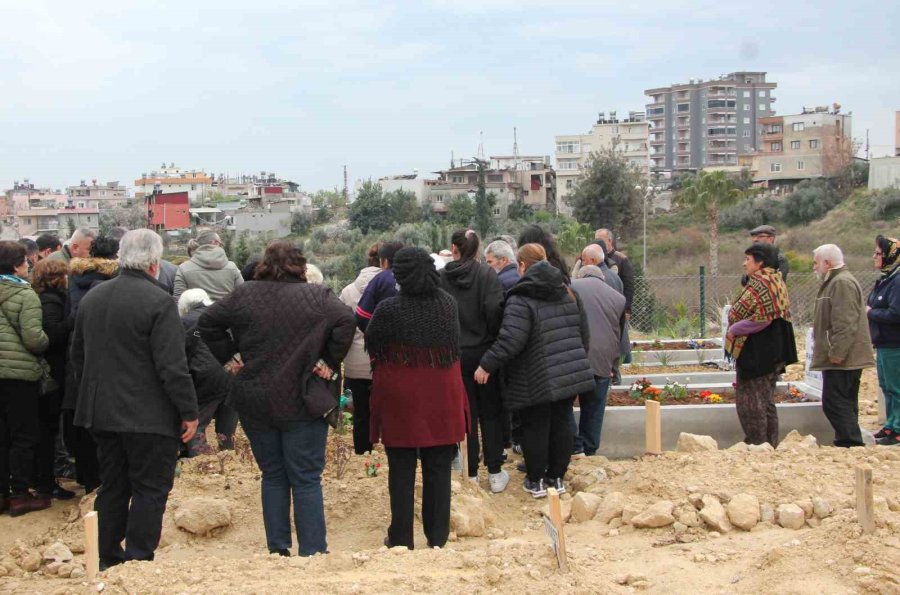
<point x="117" y="360"/>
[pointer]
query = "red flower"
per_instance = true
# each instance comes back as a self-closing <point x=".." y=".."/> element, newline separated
<point x="705" y="393"/>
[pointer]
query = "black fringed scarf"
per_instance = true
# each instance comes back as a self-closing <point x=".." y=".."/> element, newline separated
<point x="415" y="331"/>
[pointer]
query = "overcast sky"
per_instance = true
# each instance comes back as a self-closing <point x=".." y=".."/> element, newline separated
<point x="108" y="90"/>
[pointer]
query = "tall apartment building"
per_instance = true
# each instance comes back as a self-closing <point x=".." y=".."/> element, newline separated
<point x="170" y="179"/>
<point x="707" y="123"/>
<point x="97" y="196"/>
<point x="815" y="143"/>
<point x="629" y="136"/>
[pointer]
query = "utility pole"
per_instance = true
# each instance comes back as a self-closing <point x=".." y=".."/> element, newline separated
<point x="867" y="144"/>
<point x="346" y="187"/>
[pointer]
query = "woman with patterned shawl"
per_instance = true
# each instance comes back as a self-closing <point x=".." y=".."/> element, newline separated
<point x="760" y="340"/>
<point x="883" y="312"/>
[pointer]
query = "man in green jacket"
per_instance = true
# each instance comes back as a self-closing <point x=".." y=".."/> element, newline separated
<point x="78" y="246"/>
<point x="843" y="346"/>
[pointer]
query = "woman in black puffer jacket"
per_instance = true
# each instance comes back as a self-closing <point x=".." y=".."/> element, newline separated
<point x="543" y="346"/>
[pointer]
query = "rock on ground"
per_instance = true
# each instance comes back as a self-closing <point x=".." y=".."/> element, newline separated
<point x="713" y="514"/>
<point x="565" y="510"/>
<point x="796" y="441"/>
<point x="743" y="511"/>
<point x="764" y="447"/>
<point x="469" y="516"/>
<point x="611" y="507"/>
<point x="201" y="515"/>
<point x="695" y="443"/>
<point x="791" y="516"/>
<point x="821" y="507"/>
<point x="739" y="447"/>
<point x="658" y="515"/>
<point x="629" y="511"/>
<point x="58" y="552"/>
<point x="585" y="506"/>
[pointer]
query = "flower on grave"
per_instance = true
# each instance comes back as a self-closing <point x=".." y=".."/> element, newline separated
<point x="713" y="398"/>
<point x="705" y="394"/>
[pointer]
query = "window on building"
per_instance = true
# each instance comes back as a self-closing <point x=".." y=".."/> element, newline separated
<point x="814" y="144"/>
<point x="714" y="103"/>
<point x="762" y="107"/>
<point x="747" y="107"/>
<point x="746" y="148"/>
<point x="457" y="179"/>
<point x="568" y="147"/>
<point x="746" y="120"/>
<point x="496" y="212"/>
<point x="684" y="107"/>
<point x="746" y="94"/>
<point x="89" y="219"/>
<point x="745" y="134"/>
<point x="801" y="165"/>
<point x="795" y="144"/>
<point x="762" y="93"/>
<point x="656" y="111"/>
<point x="495" y="178"/>
<point x="438" y="198"/>
<point x="568" y="164"/>
<point x="797" y="126"/>
<point x="570" y="184"/>
<point x="774" y="167"/>
<point x="776" y="146"/>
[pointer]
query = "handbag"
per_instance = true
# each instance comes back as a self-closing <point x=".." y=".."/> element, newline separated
<point x="46" y="384"/>
<point x="321" y="398"/>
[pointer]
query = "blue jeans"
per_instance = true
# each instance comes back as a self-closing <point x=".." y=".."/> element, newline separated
<point x="592" y="407"/>
<point x="291" y="463"/>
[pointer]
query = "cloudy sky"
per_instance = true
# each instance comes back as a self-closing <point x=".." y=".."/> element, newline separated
<point x="97" y="89"/>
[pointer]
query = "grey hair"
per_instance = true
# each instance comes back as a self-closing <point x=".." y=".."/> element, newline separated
<point x="192" y="297"/>
<point x="140" y="249"/>
<point x="831" y="253"/>
<point x="509" y="240"/>
<point x="609" y="234"/>
<point x="501" y="249"/>
<point x="314" y="274"/>
<point x="84" y="233"/>
<point x="207" y="237"/>
<point x="595" y="251"/>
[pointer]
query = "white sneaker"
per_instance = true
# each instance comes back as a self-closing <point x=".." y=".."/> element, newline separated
<point x="498" y="481"/>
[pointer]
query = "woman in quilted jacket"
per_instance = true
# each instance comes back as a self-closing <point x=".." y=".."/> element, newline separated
<point x="542" y="344"/>
<point x="22" y="341"/>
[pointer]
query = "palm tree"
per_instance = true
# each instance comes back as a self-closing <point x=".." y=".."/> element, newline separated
<point x="705" y="195"/>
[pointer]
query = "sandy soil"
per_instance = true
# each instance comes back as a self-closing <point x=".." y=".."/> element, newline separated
<point x="513" y="553"/>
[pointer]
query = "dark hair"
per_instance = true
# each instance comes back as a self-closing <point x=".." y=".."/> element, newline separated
<point x="467" y="242"/>
<point x="372" y="255"/>
<point x="30" y="246"/>
<point x="764" y="254"/>
<point x="104" y="247"/>
<point x="49" y="274"/>
<point x="415" y="272"/>
<point x="283" y="261"/>
<point x="387" y="251"/>
<point x="12" y="254"/>
<point x="535" y="234"/>
<point x="118" y="232"/>
<point x="46" y="241"/>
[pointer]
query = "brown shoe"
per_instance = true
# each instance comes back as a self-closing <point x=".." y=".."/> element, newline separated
<point x="25" y="504"/>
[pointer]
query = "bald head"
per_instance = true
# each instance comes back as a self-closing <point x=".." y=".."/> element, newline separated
<point x="592" y="255"/>
<point x="80" y="243"/>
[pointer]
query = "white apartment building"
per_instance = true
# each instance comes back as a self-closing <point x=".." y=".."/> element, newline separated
<point x="628" y="136"/>
<point x="169" y="179"/>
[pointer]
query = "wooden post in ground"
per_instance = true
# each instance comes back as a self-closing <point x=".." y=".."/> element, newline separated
<point x="464" y="456"/>
<point x="652" y="427"/>
<point x="91" y="546"/>
<point x="559" y="539"/>
<point x="865" y="500"/>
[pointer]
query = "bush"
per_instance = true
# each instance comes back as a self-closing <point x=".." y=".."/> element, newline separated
<point x="798" y="263"/>
<point x="810" y="200"/>
<point x="752" y="212"/>
<point x="885" y="203"/>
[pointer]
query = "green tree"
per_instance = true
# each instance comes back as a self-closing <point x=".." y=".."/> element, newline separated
<point x="484" y="205"/>
<point x="519" y="211"/>
<point x="705" y="195"/>
<point x="461" y="210"/>
<point x="241" y="251"/>
<point x="573" y="237"/>
<point x="372" y="209"/>
<point x="301" y="223"/>
<point x="71" y="226"/>
<point x="609" y="192"/>
<point x="403" y="206"/>
<point x="134" y="217"/>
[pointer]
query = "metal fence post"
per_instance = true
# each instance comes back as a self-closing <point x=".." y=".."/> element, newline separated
<point x="702" y="302"/>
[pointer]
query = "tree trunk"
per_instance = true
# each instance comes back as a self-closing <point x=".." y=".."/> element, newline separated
<point x="712" y="215"/>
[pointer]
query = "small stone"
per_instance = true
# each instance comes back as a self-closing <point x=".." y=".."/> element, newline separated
<point x="791" y="516"/>
<point x="622" y="579"/>
<point x="806" y="505"/>
<point x="689" y="518"/>
<point x="58" y="552"/>
<point x="743" y="511"/>
<point x="696" y="499"/>
<point x="31" y="561"/>
<point x="615" y="523"/>
<point x="77" y="572"/>
<point x="862" y="570"/>
<point x="739" y="447"/>
<point x="679" y="527"/>
<point x="695" y="443"/>
<point x="65" y="570"/>
<point x="766" y="513"/>
<point x="813" y="522"/>
<point x="52" y="567"/>
<point x="535" y="574"/>
<point x="760" y="448"/>
<point x="585" y="506"/>
<point x="821" y="508"/>
<point x="713" y="535"/>
<point x="611" y="507"/>
<point x="713" y="514"/>
<point x="657" y="515"/>
<point x="200" y="516"/>
<point x="630" y="511"/>
<point x="565" y="508"/>
<point x="796" y="441"/>
<point x="613" y="532"/>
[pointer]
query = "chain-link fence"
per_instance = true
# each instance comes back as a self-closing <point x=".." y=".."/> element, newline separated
<point x="690" y="306"/>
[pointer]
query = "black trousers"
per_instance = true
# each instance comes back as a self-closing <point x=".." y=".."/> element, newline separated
<point x="361" y="388"/>
<point x="486" y="411"/>
<point x="138" y="469"/>
<point x="19" y="436"/>
<point x="226" y="425"/>
<point x="547" y="439"/>
<point x="48" y="423"/>
<point x="436" y="462"/>
<point x="840" y="394"/>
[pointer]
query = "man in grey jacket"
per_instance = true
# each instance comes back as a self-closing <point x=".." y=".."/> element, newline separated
<point x="208" y="269"/>
<point x="605" y="311"/>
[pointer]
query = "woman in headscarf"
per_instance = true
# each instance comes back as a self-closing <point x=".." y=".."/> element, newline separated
<point x="418" y="401"/>
<point x="760" y="339"/>
<point x="883" y="311"/>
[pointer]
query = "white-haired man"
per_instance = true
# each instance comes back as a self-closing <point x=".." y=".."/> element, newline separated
<point x="500" y="256"/>
<point x="843" y="346"/>
<point x="78" y="246"/>
<point x="136" y="397"/>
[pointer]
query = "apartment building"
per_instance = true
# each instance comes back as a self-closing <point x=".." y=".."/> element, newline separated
<point x="33" y="222"/>
<point x="527" y="178"/>
<point x="707" y="123"/>
<point x="170" y="180"/>
<point x="629" y="136"/>
<point x="97" y="196"/>
<point x="26" y="196"/>
<point x="814" y="143"/>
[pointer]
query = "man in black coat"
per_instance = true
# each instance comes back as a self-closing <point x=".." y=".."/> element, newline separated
<point x="135" y="396"/>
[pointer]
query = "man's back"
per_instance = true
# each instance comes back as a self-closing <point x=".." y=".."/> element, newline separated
<point x="604" y="308"/>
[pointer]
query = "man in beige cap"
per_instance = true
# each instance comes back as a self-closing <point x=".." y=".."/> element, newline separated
<point x="766" y="235"/>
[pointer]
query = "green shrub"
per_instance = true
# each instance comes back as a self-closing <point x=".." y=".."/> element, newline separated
<point x="885" y="203"/>
<point x="810" y="200"/>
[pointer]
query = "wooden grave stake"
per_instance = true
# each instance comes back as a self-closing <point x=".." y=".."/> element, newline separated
<point x="865" y="500"/>
<point x="464" y="456"/>
<point x="652" y="427"/>
<point x="553" y="526"/>
<point x="91" y="546"/>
